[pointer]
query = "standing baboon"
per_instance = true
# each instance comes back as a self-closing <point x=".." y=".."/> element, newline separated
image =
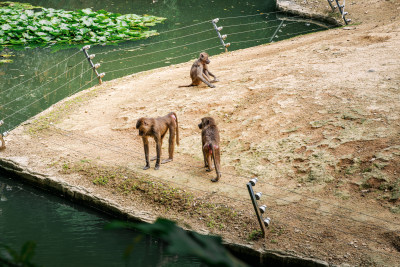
<point x="157" y="128"/>
<point x="199" y="72"/>
<point x="210" y="143"/>
<point x="2" y="143"/>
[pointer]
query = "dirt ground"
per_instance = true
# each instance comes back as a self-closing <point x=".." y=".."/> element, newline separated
<point x="315" y="118"/>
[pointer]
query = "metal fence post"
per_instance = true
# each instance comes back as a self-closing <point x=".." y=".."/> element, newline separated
<point x="221" y="37"/>
<point x="259" y="210"/>
<point x="94" y="66"/>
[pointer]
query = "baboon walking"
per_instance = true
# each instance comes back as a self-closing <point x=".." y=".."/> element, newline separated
<point x="157" y="128"/>
<point x="199" y="72"/>
<point x="210" y="145"/>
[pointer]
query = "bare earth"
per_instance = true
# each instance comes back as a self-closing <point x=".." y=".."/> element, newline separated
<point x="315" y="118"/>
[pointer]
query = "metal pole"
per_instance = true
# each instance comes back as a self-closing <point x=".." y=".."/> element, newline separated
<point x="214" y="22"/>
<point x="91" y="63"/>
<point x="277" y="29"/>
<point x="256" y="209"/>
<point x="342" y="12"/>
<point x="332" y="6"/>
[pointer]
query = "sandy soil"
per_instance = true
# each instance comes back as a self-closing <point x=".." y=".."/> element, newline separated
<point x="315" y="118"/>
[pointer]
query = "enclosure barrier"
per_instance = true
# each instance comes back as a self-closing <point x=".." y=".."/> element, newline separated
<point x="94" y="66"/>
<point x="259" y="210"/>
<point x="221" y="37"/>
<point x="341" y="9"/>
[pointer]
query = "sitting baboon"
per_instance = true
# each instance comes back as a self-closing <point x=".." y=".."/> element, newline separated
<point x="157" y="128"/>
<point x="210" y="143"/>
<point x="199" y="72"/>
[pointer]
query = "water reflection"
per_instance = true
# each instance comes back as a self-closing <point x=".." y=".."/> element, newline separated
<point x="69" y="235"/>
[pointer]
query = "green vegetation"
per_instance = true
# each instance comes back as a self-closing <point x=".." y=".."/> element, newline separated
<point x="208" y="249"/>
<point x="25" y="24"/>
<point x="60" y="111"/>
<point x="255" y="234"/>
<point x="10" y="257"/>
<point x="121" y="180"/>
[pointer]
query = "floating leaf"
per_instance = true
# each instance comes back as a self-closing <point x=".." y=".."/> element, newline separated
<point x="57" y="25"/>
<point x="5" y="27"/>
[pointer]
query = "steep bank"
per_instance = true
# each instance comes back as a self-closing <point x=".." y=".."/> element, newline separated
<point x="314" y="117"/>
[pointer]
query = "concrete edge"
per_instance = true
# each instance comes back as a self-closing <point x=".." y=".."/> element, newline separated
<point x="84" y="197"/>
<point x="290" y="7"/>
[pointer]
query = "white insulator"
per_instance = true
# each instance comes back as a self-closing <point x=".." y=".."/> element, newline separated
<point x="5" y="134"/>
<point x="224" y="36"/>
<point x="1" y="122"/>
<point x="228" y="45"/>
<point x="215" y="20"/>
<point x="342" y="6"/>
<point x="267" y="222"/>
<point x="345" y="13"/>
<point x="253" y="181"/>
<point x="348" y="20"/>
<point x="101" y="75"/>
<point x="86" y="47"/>
<point x="96" y="66"/>
<point x="220" y="28"/>
<point x="258" y="195"/>
<point x="92" y="56"/>
<point x="263" y="208"/>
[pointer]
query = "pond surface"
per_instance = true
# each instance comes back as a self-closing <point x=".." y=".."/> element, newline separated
<point x="70" y="235"/>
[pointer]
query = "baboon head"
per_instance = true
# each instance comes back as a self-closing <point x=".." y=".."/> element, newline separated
<point x="204" y="58"/>
<point x="206" y="121"/>
<point x="143" y="125"/>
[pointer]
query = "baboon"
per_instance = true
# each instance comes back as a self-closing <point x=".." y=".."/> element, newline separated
<point x="157" y="128"/>
<point x="210" y="142"/>
<point x="199" y="72"/>
<point x="2" y="143"/>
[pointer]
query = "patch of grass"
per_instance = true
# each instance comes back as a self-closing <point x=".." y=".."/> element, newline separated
<point x="254" y="235"/>
<point x="61" y="111"/>
<point x="101" y="180"/>
<point x="161" y="195"/>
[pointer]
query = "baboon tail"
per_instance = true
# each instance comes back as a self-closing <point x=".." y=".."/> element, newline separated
<point x="177" y="129"/>
<point x="190" y="85"/>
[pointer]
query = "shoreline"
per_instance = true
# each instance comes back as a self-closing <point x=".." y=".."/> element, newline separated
<point x="83" y="197"/>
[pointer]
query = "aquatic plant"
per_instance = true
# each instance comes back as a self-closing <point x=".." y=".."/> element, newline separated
<point x="26" y="24"/>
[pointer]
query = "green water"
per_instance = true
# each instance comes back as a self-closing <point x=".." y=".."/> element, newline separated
<point x="69" y="235"/>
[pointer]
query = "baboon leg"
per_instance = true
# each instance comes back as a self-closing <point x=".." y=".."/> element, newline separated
<point x="205" y="160"/>
<point x="204" y="80"/>
<point x="215" y="78"/>
<point x="158" y="148"/>
<point x="216" y="157"/>
<point x="155" y="157"/>
<point x="146" y="152"/>
<point x="209" y="163"/>
<point x="171" y="144"/>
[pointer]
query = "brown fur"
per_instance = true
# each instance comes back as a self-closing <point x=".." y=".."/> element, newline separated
<point x="157" y="128"/>
<point x="199" y="72"/>
<point x="3" y="143"/>
<point x="210" y="143"/>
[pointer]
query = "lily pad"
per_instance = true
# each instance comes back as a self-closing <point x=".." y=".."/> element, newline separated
<point x="20" y="24"/>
